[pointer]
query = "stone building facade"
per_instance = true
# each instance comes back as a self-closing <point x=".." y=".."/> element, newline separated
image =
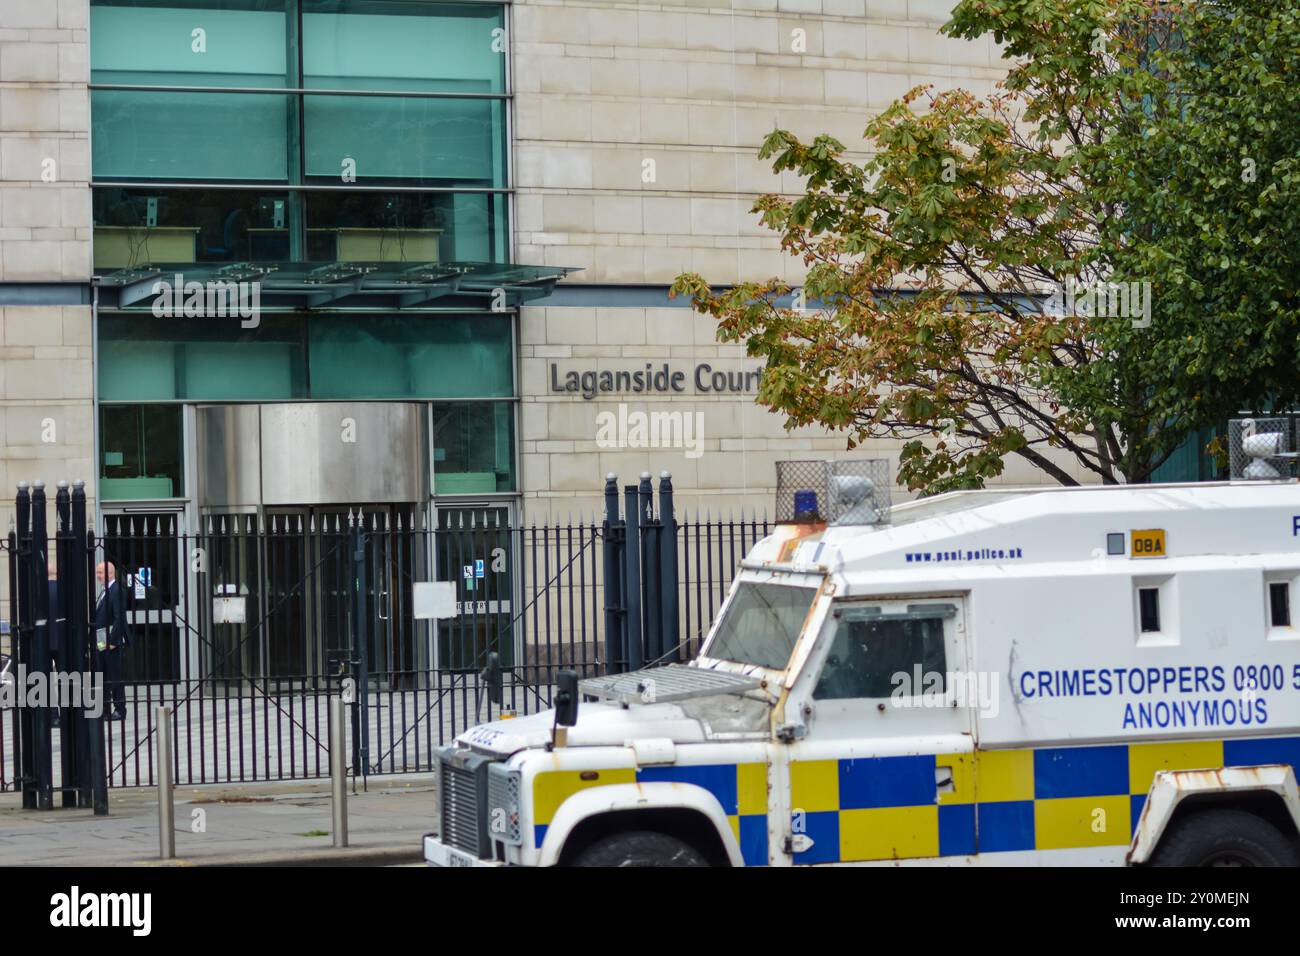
<point x="631" y="133"/>
<point x="46" y="419"/>
<point x="637" y="131"/>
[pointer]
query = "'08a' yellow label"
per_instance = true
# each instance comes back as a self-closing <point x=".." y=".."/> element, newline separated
<point x="1148" y="544"/>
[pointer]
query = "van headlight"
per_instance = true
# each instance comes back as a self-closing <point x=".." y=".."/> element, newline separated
<point x="503" y="822"/>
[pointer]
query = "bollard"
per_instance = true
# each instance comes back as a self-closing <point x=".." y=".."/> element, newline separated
<point x="338" y="771"/>
<point x="166" y="805"/>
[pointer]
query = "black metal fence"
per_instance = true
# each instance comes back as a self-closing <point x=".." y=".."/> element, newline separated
<point x="245" y="626"/>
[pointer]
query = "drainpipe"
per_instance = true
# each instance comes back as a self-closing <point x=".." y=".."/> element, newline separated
<point x="93" y="481"/>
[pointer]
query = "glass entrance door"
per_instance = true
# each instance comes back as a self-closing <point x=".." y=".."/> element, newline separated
<point x="474" y="547"/>
<point x="310" y="575"/>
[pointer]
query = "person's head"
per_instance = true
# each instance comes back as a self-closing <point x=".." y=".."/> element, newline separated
<point x="52" y="567"/>
<point x="105" y="572"/>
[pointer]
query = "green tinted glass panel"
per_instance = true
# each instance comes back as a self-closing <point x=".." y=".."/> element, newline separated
<point x="212" y="43"/>
<point x="410" y="356"/>
<point x="1190" y="461"/>
<point x="200" y="136"/>
<point x="149" y="224"/>
<point x="143" y="358"/>
<point x="406" y="227"/>
<point x="412" y="139"/>
<point x="473" y="448"/>
<point x="402" y="45"/>
<point x="141" y="451"/>
<point x="133" y="369"/>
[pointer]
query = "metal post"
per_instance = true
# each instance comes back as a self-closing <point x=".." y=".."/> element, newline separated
<point x="75" y="589"/>
<point x="614" y="660"/>
<point x="20" y="757"/>
<point x="338" y="772"/>
<point x="632" y="579"/>
<point x="22" y="641"/>
<point x="166" y="805"/>
<point x="361" y="646"/>
<point x="39" y="590"/>
<point x="668" y="622"/>
<point x="95" y="729"/>
<point x="649" y="566"/>
<point x="60" y="620"/>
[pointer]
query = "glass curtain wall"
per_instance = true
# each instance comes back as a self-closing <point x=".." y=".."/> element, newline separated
<point x="229" y="131"/>
<point x="296" y="130"/>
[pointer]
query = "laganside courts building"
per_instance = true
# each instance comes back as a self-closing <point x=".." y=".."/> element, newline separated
<point x="461" y="220"/>
<point x="300" y="257"/>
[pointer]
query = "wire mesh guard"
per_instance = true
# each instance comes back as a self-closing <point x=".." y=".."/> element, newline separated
<point x="1260" y="448"/>
<point x="837" y="492"/>
<point x="662" y="684"/>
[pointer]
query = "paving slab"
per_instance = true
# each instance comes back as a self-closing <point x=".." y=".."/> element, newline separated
<point x="266" y="824"/>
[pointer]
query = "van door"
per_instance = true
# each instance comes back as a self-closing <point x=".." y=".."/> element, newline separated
<point x="885" y="770"/>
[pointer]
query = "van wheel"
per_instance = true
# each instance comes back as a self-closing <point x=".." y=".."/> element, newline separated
<point x="640" y="848"/>
<point x="1225" y="838"/>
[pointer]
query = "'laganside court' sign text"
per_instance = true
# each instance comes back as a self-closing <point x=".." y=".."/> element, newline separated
<point x="651" y="378"/>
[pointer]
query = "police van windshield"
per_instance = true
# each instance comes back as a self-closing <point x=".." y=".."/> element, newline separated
<point x="762" y="624"/>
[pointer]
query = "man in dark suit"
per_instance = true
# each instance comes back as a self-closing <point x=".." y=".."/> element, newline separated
<point x="110" y="616"/>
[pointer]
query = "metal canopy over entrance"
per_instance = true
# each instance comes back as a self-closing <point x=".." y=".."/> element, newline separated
<point x="288" y="286"/>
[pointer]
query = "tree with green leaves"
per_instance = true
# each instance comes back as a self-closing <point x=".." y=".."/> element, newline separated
<point x="1081" y="269"/>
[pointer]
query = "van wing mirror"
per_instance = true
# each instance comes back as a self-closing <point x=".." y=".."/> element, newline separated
<point x="566" y="698"/>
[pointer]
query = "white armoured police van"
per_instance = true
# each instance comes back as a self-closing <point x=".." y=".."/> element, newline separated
<point x="1096" y="675"/>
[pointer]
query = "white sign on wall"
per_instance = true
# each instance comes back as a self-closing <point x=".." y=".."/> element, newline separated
<point x="228" y="610"/>
<point x="434" y="599"/>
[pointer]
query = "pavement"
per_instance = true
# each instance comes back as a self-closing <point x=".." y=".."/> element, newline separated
<point x="266" y="824"/>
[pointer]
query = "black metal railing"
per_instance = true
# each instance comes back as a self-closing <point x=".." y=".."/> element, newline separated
<point x="246" y="625"/>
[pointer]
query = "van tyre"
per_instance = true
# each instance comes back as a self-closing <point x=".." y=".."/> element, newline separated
<point x="1225" y="838"/>
<point x="640" y="848"/>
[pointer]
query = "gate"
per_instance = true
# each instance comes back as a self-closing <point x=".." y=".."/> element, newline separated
<point x="246" y="625"/>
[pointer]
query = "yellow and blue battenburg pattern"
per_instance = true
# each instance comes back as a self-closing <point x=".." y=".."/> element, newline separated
<point x="882" y="808"/>
<point x="740" y="788"/>
<point x="1051" y="798"/>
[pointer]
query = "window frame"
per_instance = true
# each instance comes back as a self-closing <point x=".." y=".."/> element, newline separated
<point x="847" y="614"/>
<point x="1290" y="580"/>
<point x="797" y="583"/>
